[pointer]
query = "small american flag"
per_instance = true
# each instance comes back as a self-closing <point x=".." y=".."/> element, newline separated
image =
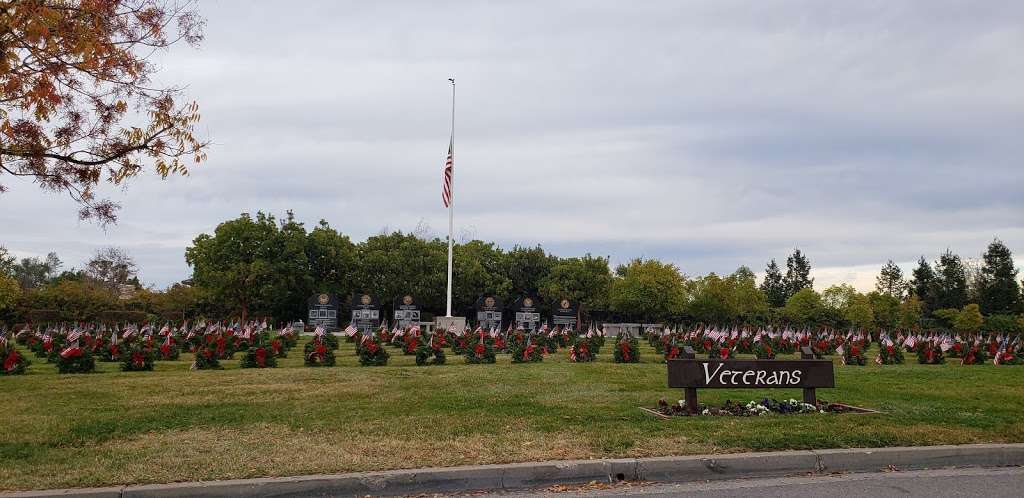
<point x="449" y="171"/>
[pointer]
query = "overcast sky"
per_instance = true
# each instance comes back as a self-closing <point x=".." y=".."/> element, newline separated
<point x="711" y="134"/>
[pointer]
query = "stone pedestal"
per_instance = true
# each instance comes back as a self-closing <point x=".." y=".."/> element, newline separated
<point x="443" y="322"/>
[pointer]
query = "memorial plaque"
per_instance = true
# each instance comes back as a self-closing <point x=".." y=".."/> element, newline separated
<point x="527" y="313"/>
<point x="323" y="311"/>
<point x="488" y="312"/>
<point x="407" y="311"/>
<point x="565" y="313"/>
<point x="365" y="312"/>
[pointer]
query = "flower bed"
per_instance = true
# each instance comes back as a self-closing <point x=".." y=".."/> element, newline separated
<point x="765" y="407"/>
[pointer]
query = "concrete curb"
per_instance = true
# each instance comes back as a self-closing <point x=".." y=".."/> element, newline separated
<point x="536" y="474"/>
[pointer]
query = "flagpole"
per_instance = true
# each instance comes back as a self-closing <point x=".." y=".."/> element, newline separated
<point x="451" y="203"/>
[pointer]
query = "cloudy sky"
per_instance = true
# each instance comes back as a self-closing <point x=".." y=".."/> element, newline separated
<point x="712" y="134"/>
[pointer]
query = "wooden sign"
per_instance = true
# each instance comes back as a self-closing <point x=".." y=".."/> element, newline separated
<point x="806" y="373"/>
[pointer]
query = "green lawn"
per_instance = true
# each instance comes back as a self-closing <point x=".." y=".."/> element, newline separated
<point x="174" y="424"/>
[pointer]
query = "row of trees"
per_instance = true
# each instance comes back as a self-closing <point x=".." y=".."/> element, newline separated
<point x="260" y="265"/>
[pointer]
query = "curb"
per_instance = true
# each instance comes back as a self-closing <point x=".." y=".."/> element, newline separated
<point x="536" y="474"/>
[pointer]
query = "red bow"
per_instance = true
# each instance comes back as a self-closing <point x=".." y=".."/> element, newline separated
<point x="261" y="357"/>
<point x="723" y="352"/>
<point x="138" y="360"/>
<point x="11" y="361"/>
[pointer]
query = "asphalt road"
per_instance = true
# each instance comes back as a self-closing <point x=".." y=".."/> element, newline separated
<point x="990" y="483"/>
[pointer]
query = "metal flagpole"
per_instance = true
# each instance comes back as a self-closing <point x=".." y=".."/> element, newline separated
<point x="451" y="203"/>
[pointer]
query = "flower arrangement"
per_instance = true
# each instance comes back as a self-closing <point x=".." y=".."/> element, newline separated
<point x="137" y="359"/>
<point x="74" y="359"/>
<point x="581" y="350"/>
<point x="930" y="354"/>
<point x="524" y="352"/>
<point x="765" y="407"/>
<point x="206" y="359"/>
<point x="316" y="353"/>
<point x="258" y="357"/>
<point x="15" y="363"/>
<point x="371" y="352"/>
<point x="627" y="349"/>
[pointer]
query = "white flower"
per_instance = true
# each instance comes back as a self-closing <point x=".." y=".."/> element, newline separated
<point x="706" y="412"/>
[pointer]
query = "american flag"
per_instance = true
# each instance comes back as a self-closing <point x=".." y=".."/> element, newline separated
<point x="449" y="171"/>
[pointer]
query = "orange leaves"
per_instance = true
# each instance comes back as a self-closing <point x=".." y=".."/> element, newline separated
<point x="68" y="71"/>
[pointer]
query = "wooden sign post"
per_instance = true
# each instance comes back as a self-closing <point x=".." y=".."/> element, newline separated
<point x="692" y="374"/>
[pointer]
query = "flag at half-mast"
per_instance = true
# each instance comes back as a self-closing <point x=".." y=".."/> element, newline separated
<point x="449" y="170"/>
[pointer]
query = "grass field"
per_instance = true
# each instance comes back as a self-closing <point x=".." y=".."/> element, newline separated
<point x="174" y="424"/>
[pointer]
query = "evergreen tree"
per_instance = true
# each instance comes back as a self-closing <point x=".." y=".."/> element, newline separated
<point x="923" y="284"/>
<point x="773" y="287"/>
<point x="1000" y="293"/>
<point x="798" y="273"/>
<point x="950" y="281"/>
<point x="890" y="281"/>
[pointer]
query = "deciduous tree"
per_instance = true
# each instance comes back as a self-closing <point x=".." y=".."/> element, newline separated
<point x="70" y="72"/>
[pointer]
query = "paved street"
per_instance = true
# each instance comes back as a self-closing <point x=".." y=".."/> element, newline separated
<point x="1008" y="482"/>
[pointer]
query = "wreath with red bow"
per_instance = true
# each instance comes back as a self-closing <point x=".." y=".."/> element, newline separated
<point x="627" y="349"/>
<point x="371" y="352"/>
<point x="206" y="359"/>
<point x="526" y="352"/>
<point x="259" y="357"/>
<point x="480" y="350"/>
<point x="169" y="352"/>
<point x="137" y="359"/>
<point x="890" y="355"/>
<point x="974" y="355"/>
<point x="764" y="350"/>
<point x="14" y="362"/>
<point x="75" y="360"/>
<point x="853" y="355"/>
<point x="930" y="355"/>
<point x="581" y="350"/>
<point x="316" y="353"/>
<point x="431" y="353"/>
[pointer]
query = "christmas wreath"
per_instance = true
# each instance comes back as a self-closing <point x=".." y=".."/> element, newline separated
<point x="137" y="359"/>
<point x="206" y="359"/>
<point x="1007" y="357"/>
<point x="75" y="360"/>
<point x="930" y="355"/>
<point x="258" y="357"/>
<point x="371" y="352"/>
<point x="278" y="348"/>
<point x="410" y="345"/>
<point x="975" y="355"/>
<point x="627" y="349"/>
<point x="430" y="354"/>
<point x="316" y="353"/>
<point x="169" y="350"/>
<point x="764" y="350"/>
<point x="890" y="354"/>
<point x="853" y="355"/>
<point x="720" y="352"/>
<point x="481" y="352"/>
<point x="14" y="362"/>
<point x="581" y="350"/>
<point x="524" y="352"/>
<point x="672" y="351"/>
